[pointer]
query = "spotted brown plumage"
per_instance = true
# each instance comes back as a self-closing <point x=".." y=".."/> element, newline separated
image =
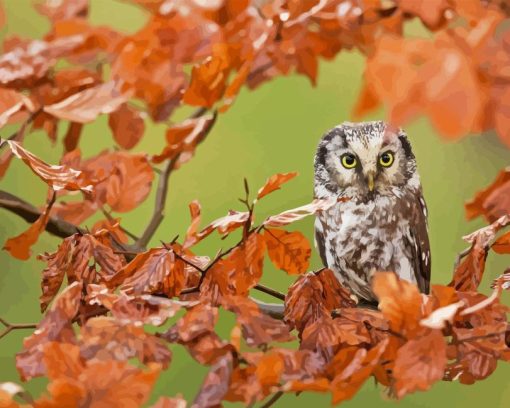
<point x="382" y="223"/>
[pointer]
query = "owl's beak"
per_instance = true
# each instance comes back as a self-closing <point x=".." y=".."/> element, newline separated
<point x="370" y="181"/>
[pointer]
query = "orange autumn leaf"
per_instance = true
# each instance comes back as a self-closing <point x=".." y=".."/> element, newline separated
<point x="492" y="202"/>
<point x="289" y="251"/>
<point x="296" y="214"/>
<point x="208" y="83"/>
<point x="94" y="383"/>
<point x="468" y="274"/>
<point x="400" y="302"/>
<point x="127" y="126"/>
<point x="57" y="177"/>
<point x="19" y="246"/>
<point x="182" y="139"/>
<point x="502" y="244"/>
<point x="156" y="270"/>
<point x="274" y="182"/>
<point x="420" y="363"/>
<point x="87" y="105"/>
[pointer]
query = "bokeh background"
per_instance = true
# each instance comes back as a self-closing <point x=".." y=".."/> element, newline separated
<point x="272" y="129"/>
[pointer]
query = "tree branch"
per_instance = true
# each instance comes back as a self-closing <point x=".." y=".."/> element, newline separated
<point x="159" y="206"/>
<point x="162" y="190"/>
<point x="29" y="213"/>
<point x="10" y="327"/>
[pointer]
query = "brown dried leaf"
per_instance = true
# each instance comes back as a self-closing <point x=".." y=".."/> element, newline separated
<point x="468" y="274"/>
<point x="57" y="177"/>
<point x="420" y="363"/>
<point x="136" y="310"/>
<point x="72" y="258"/>
<point x="55" y="326"/>
<point x="130" y="182"/>
<point x="237" y="274"/>
<point x="94" y="383"/>
<point x="87" y="105"/>
<point x="11" y="102"/>
<point x="400" y="302"/>
<point x="157" y="270"/>
<point x="105" y="338"/>
<point x="313" y="296"/>
<point x="28" y="62"/>
<point x="258" y="328"/>
<point x="182" y="139"/>
<point x="274" y="183"/>
<point x="289" y="251"/>
<point x="216" y="383"/>
<point x="492" y="202"/>
<point x="351" y="371"/>
<point x="19" y="246"/>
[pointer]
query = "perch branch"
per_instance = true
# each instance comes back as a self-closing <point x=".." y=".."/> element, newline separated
<point x="29" y="213"/>
<point x="10" y="327"/>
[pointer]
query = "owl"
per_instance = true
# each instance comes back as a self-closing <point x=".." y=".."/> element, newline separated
<point x="381" y="225"/>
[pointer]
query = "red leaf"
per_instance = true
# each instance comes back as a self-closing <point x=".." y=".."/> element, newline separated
<point x="57" y="177"/>
<point x="400" y="302"/>
<point x="502" y="244"/>
<point x="420" y="363"/>
<point x="191" y="233"/>
<point x="127" y="125"/>
<point x="274" y="183"/>
<point x="290" y="216"/>
<point x="289" y="251"/>
<point x="19" y="246"/>
<point x="87" y="105"/>
<point x="55" y="326"/>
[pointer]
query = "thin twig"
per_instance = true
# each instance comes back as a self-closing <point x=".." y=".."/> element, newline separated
<point x="159" y="207"/>
<point x="273" y="399"/>
<point x="162" y="189"/>
<point x="112" y="220"/>
<point x="269" y="291"/>
<point x="10" y="327"/>
<point x="460" y="256"/>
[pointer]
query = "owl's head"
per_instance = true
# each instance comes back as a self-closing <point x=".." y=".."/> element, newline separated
<point x="363" y="160"/>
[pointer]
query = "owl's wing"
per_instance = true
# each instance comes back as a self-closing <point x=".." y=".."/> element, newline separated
<point x="319" y="241"/>
<point x="419" y="245"/>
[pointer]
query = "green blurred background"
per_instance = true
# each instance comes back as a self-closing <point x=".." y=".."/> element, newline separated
<point x="272" y="129"/>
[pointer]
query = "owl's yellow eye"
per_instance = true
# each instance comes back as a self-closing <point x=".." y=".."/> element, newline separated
<point x="349" y="161"/>
<point x="386" y="159"/>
